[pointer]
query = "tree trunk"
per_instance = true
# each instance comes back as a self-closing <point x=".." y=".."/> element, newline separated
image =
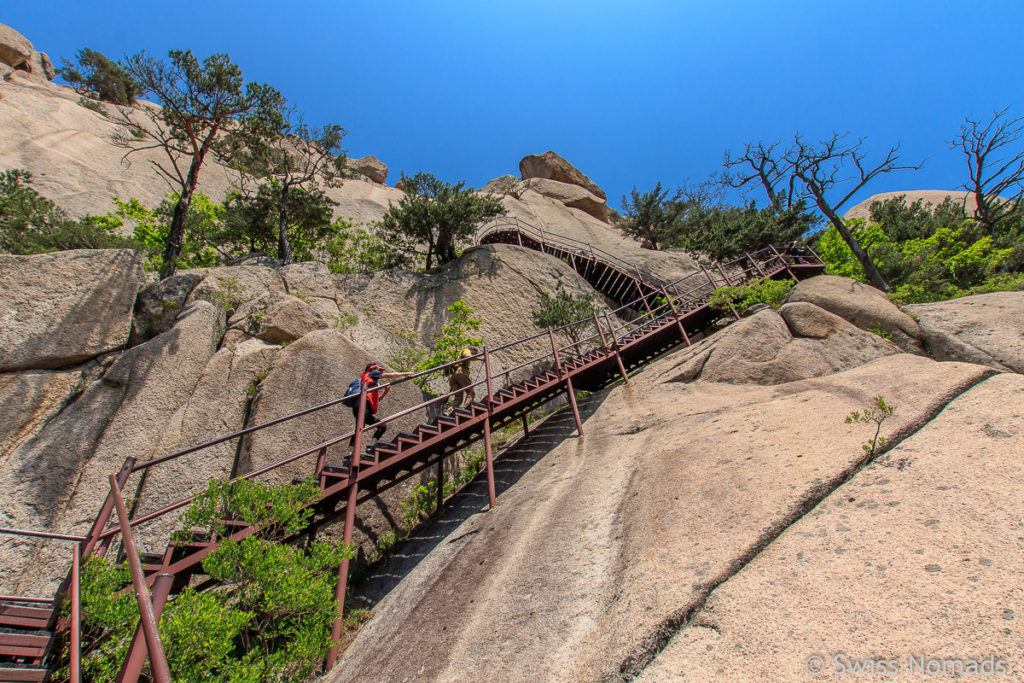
<point x="445" y="248"/>
<point x="284" y="248"/>
<point x="866" y="263"/>
<point x="176" y="235"/>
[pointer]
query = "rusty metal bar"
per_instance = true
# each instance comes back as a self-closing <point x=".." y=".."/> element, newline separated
<point x="488" y="454"/>
<point x="724" y="276"/>
<point x="76" y="615"/>
<point x="40" y="534"/>
<point x="440" y="482"/>
<point x="131" y="668"/>
<point x="755" y="264"/>
<point x="615" y="346"/>
<point x="568" y="383"/>
<point x="157" y="659"/>
<point x="350" y="521"/>
<point x="321" y="460"/>
<point x="785" y="263"/>
<point x="675" y="314"/>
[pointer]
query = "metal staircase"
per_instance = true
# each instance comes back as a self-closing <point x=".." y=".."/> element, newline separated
<point x="654" y="317"/>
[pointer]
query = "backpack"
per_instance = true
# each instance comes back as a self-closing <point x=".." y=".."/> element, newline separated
<point x="352" y="393"/>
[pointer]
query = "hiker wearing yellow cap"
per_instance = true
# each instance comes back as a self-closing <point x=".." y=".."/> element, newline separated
<point x="460" y="382"/>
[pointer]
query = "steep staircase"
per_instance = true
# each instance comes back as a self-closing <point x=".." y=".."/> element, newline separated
<point x="658" y="316"/>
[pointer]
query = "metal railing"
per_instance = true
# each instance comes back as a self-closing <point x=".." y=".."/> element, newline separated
<point x="658" y="305"/>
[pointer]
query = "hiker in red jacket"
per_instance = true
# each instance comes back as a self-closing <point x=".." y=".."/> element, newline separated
<point x="370" y="379"/>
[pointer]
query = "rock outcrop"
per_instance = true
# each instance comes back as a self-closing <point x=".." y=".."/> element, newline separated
<point x="593" y="559"/>
<point x="553" y="167"/>
<point x="927" y="197"/>
<point x="862" y="305"/>
<point x="572" y="196"/>
<point x="371" y="167"/>
<point x="63" y="308"/>
<point x="15" y="49"/>
<point x="798" y="342"/>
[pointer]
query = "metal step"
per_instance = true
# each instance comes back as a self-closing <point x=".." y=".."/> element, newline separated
<point x="32" y="644"/>
<point x="10" y="673"/>
<point x="18" y="616"/>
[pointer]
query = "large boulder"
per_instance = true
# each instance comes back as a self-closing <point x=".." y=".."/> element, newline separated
<point x="798" y="342"/>
<point x="15" y="49"/>
<point x="58" y="478"/>
<point x="65" y="307"/>
<point x="987" y="329"/>
<point x="276" y="317"/>
<point x="573" y="196"/>
<point x="157" y="306"/>
<point x="371" y="167"/>
<point x="862" y="305"/>
<point x="550" y="165"/>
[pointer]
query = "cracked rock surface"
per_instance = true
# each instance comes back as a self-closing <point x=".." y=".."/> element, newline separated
<point x="601" y="551"/>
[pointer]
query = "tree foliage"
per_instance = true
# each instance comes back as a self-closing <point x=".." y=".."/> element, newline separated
<point x="268" y="620"/>
<point x="652" y="217"/>
<point x="203" y="106"/>
<point x="927" y="254"/>
<point x="995" y="167"/>
<point x="254" y="219"/>
<point x="290" y="157"/>
<point x="437" y="215"/>
<point x="814" y="172"/>
<point x="32" y="224"/>
<point x="98" y="77"/>
<point x="562" y="308"/>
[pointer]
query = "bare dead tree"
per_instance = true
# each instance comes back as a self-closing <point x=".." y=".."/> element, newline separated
<point x="995" y="169"/>
<point x="759" y="163"/>
<point x="820" y="168"/>
<point x="811" y="172"/>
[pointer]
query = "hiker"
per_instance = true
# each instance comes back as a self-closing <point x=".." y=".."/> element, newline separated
<point x="370" y="379"/>
<point x="460" y="382"/>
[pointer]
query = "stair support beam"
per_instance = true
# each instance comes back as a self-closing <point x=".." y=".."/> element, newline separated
<point x="131" y="669"/>
<point x="568" y="383"/>
<point x="784" y="263"/>
<point x="488" y="453"/>
<point x="615" y="346"/>
<point x="350" y="522"/>
<point x="675" y="314"/>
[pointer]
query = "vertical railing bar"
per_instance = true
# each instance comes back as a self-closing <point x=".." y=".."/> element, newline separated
<point x="157" y="659"/>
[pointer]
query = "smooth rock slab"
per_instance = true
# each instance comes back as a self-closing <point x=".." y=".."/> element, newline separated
<point x="987" y="329"/>
<point x="919" y="554"/>
<point x="65" y="307"/>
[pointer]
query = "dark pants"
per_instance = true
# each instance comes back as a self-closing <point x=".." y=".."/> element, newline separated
<point x="369" y="419"/>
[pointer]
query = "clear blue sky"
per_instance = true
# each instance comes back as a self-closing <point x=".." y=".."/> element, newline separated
<point x="630" y="92"/>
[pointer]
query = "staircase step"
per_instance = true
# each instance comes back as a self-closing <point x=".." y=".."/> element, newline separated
<point x="15" y="644"/>
<point x="429" y="430"/>
<point x="408" y="438"/>
<point x="10" y="673"/>
<point x="385" y="447"/>
<point x="463" y="413"/>
<point x="446" y="421"/>
<point x="24" y="617"/>
<point x="336" y="470"/>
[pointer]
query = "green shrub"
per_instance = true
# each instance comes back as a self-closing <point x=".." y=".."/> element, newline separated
<point x="761" y="291"/>
<point x="562" y="308"/>
<point x="269" y="619"/>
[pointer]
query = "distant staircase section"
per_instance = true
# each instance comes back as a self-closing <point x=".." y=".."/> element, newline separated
<point x="654" y="317"/>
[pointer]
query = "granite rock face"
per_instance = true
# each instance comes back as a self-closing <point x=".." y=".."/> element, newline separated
<point x="63" y="308"/>
<point x="553" y="167"/>
<point x="987" y="329"/>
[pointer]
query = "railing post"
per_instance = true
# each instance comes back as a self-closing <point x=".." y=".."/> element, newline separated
<point x="785" y="263"/>
<point x="643" y="297"/>
<point x="131" y="669"/>
<point x="105" y="512"/>
<point x="157" y="660"/>
<point x="724" y="276"/>
<point x="615" y="346"/>
<point x="76" y="614"/>
<point x="350" y="521"/>
<point x="440" y="481"/>
<point x="488" y="453"/>
<point x="321" y="460"/>
<point x="755" y="264"/>
<point x="675" y="313"/>
<point x="568" y="383"/>
<point x="713" y="288"/>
